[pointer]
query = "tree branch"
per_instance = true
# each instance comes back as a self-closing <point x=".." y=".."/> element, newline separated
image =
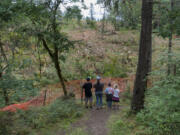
<point x="3" y="53"/>
<point x="47" y="48"/>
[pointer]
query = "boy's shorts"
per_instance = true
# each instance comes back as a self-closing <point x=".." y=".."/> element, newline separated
<point x="88" y="99"/>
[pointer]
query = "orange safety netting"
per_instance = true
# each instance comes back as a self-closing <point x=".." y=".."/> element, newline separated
<point x="74" y="86"/>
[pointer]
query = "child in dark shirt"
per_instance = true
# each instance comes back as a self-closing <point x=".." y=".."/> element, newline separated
<point x="88" y="93"/>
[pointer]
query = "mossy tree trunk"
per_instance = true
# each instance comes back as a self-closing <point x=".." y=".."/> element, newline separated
<point x="54" y="57"/>
<point x="144" y="58"/>
<point x="170" y="41"/>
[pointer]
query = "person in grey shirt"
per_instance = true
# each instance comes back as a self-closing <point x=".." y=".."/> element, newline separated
<point x="99" y="92"/>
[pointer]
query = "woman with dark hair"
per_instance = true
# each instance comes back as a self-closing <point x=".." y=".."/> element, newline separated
<point x="99" y="92"/>
<point x="109" y="94"/>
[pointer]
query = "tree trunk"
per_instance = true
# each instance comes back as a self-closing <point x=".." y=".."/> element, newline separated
<point x="103" y="24"/>
<point x="174" y="70"/>
<point x="6" y="98"/>
<point x="40" y="62"/>
<point x="144" y="58"/>
<point x="45" y="95"/>
<point x="54" y="57"/>
<point x="3" y="52"/>
<point x="169" y="54"/>
<point x="170" y="41"/>
<point x="58" y="69"/>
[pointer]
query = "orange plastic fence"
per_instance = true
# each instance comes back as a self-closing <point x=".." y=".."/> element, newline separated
<point x="72" y="86"/>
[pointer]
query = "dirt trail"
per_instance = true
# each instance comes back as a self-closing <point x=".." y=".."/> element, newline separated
<point x="94" y="122"/>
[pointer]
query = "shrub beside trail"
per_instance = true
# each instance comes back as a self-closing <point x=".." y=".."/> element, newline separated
<point x="62" y="112"/>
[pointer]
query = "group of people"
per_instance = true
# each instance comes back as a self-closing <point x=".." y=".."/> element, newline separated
<point x="112" y="94"/>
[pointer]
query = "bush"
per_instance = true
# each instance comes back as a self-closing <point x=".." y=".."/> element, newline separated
<point x="126" y="95"/>
<point x="161" y="115"/>
<point x="17" y="89"/>
<point x="162" y="110"/>
<point x="122" y="124"/>
<point x="112" y="69"/>
<point x="91" y="23"/>
<point x="5" y="123"/>
<point x="62" y="111"/>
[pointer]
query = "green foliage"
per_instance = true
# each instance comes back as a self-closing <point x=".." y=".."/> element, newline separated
<point x="44" y="81"/>
<point x="161" y="115"/>
<point x="166" y="20"/>
<point x="114" y="20"/>
<point x="127" y="94"/>
<point x="6" y="10"/>
<point x="78" y="131"/>
<point x="83" y="69"/>
<point x="124" y="124"/>
<point x="62" y="111"/>
<point x="120" y="128"/>
<point x="91" y="23"/>
<point x="126" y="13"/>
<point x="112" y="69"/>
<point x="5" y="124"/>
<point x="73" y="12"/>
<point x="17" y="89"/>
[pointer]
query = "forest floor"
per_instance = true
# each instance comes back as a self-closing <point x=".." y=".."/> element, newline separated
<point x="94" y="122"/>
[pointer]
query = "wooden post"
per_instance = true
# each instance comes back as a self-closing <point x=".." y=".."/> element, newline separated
<point x="44" y="101"/>
<point x="174" y="69"/>
<point x="81" y="93"/>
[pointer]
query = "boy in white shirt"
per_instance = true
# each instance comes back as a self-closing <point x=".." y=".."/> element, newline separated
<point x="115" y="97"/>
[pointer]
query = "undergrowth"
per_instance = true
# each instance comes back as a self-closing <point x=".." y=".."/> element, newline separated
<point x="78" y="131"/>
<point x="37" y="121"/>
<point x="161" y="113"/>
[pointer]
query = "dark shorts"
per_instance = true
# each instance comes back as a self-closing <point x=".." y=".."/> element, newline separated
<point x="115" y="99"/>
<point x="90" y="99"/>
<point x="109" y="97"/>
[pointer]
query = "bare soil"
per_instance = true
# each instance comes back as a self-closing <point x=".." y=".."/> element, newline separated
<point x="94" y="122"/>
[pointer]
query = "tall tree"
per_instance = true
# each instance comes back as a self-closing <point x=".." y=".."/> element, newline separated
<point x="11" y="88"/>
<point x="103" y="23"/>
<point x="167" y="18"/>
<point x="144" y="58"/>
<point x="170" y="39"/>
<point x="73" y="12"/>
<point x="46" y="20"/>
<point x="124" y="13"/>
<point x="5" y="16"/>
<point x="92" y="11"/>
<point x="55" y="38"/>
